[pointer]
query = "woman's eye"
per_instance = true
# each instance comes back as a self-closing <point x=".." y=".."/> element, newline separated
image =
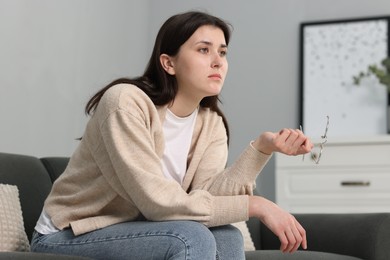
<point x="204" y="50"/>
<point x="223" y="53"/>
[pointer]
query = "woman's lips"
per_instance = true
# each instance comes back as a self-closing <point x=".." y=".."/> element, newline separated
<point x="217" y="76"/>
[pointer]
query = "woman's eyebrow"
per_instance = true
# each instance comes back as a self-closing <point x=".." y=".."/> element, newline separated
<point x="223" y="45"/>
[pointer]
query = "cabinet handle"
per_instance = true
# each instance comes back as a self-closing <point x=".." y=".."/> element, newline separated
<point x="356" y="183"/>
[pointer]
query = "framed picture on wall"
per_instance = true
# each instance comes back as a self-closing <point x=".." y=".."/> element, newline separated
<point x="332" y="53"/>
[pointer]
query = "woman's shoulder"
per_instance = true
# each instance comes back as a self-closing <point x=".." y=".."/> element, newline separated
<point x="125" y="91"/>
<point x="123" y="96"/>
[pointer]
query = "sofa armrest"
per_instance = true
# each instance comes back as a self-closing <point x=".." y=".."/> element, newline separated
<point x="364" y="236"/>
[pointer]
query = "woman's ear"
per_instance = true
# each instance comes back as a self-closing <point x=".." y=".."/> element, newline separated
<point x="167" y="64"/>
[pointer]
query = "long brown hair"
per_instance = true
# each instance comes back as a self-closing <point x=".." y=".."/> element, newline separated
<point x="155" y="82"/>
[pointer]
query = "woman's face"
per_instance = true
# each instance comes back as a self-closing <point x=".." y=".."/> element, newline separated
<point x="200" y="66"/>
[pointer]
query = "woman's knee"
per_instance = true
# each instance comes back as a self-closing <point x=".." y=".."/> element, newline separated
<point x="198" y="239"/>
<point x="230" y="242"/>
<point x="195" y="232"/>
<point x="228" y="233"/>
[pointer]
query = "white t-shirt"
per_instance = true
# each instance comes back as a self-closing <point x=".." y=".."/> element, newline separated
<point x="178" y="135"/>
<point x="44" y="225"/>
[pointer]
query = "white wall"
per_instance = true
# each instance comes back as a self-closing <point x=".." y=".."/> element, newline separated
<point x="54" y="54"/>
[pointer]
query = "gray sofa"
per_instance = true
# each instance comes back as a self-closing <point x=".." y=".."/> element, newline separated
<point x="330" y="236"/>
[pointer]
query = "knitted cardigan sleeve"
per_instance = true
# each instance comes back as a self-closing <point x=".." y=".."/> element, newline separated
<point x="209" y="164"/>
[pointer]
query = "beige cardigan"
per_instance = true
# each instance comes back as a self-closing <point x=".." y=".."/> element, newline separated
<point x="115" y="174"/>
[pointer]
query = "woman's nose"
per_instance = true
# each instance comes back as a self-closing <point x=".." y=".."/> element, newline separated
<point x="217" y="61"/>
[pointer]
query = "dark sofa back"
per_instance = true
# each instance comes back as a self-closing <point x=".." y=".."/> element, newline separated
<point x="55" y="166"/>
<point x="33" y="178"/>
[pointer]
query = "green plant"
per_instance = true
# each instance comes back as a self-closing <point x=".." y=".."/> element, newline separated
<point x="383" y="74"/>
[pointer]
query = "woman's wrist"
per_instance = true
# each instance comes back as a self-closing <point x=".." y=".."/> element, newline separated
<point x="259" y="145"/>
<point x="254" y="206"/>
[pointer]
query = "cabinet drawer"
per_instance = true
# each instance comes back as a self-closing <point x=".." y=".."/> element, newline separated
<point x="355" y="183"/>
<point x="324" y="191"/>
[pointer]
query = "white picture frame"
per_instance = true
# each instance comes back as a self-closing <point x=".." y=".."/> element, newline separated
<point x="332" y="52"/>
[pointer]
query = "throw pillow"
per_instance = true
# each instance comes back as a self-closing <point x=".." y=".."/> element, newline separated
<point x="248" y="242"/>
<point x="12" y="234"/>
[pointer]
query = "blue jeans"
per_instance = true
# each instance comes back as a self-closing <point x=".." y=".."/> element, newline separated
<point x="140" y="240"/>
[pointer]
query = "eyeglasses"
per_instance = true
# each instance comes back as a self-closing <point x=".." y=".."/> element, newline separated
<point x="316" y="157"/>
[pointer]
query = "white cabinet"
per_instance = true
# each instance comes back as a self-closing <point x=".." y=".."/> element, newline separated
<point x="352" y="176"/>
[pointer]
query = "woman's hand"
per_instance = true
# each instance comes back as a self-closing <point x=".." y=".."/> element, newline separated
<point x="287" y="141"/>
<point x="290" y="233"/>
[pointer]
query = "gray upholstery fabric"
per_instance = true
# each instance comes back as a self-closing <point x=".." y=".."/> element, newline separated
<point x="299" y="255"/>
<point x="366" y="236"/>
<point x="55" y="166"/>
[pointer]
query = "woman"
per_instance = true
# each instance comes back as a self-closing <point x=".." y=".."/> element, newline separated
<point x="148" y="179"/>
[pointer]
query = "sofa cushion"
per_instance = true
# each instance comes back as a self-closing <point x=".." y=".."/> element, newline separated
<point x="33" y="182"/>
<point x="298" y="255"/>
<point x="12" y="234"/>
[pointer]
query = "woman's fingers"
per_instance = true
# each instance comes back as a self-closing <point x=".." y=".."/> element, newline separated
<point x="302" y="232"/>
<point x="292" y="238"/>
<point x="287" y="141"/>
<point x="298" y="240"/>
<point x="291" y="241"/>
<point x="292" y="142"/>
<point x="284" y="225"/>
